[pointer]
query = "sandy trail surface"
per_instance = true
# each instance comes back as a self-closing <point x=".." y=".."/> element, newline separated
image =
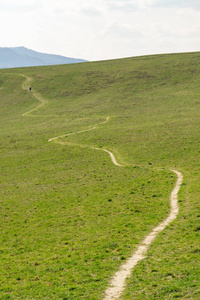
<point x="42" y="101"/>
<point x="25" y="85"/>
<point x="117" y="284"/>
<point x="56" y="138"/>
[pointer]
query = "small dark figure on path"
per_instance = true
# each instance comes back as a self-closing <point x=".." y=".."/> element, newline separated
<point x="30" y="89"/>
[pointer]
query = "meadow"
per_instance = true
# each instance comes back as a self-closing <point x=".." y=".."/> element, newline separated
<point x="69" y="216"/>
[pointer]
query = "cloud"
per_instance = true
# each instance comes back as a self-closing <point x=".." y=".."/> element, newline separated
<point x="129" y="5"/>
<point x="195" y="4"/>
<point x="122" y="6"/>
<point x="123" y="31"/>
<point x="101" y="29"/>
<point x="91" y="12"/>
<point x="20" y="6"/>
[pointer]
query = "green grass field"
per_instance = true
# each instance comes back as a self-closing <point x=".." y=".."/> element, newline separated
<point x="69" y="216"/>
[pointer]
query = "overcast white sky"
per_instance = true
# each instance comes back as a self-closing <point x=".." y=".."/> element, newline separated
<point x="101" y="29"/>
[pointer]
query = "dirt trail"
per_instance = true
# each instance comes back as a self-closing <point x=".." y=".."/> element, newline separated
<point x="26" y="86"/>
<point x="117" y="284"/>
<point x="58" y="141"/>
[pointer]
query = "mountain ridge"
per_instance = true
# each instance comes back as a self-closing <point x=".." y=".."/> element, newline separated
<point x="15" y="57"/>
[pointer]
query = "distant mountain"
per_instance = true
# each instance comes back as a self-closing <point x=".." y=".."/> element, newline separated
<point x="23" y="57"/>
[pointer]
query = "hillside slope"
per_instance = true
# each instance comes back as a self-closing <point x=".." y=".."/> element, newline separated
<point x="23" y="57"/>
<point x="70" y="217"/>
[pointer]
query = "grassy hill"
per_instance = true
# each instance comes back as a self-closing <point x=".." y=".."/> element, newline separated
<point x="69" y="217"/>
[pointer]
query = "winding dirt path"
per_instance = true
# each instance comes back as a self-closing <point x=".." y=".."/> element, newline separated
<point x="25" y="86"/>
<point x="58" y="141"/>
<point x="42" y="101"/>
<point x="117" y="284"/>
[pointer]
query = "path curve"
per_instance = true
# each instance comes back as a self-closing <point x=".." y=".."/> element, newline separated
<point x="25" y="86"/>
<point x="57" y="140"/>
<point x="76" y="132"/>
<point x="42" y="101"/>
<point x="111" y="156"/>
<point x="117" y="283"/>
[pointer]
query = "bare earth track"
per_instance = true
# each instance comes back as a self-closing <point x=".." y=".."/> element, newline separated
<point x="39" y="97"/>
<point x="117" y="284"/>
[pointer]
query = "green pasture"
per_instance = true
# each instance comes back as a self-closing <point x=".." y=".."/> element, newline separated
<point x="69" y="216"/>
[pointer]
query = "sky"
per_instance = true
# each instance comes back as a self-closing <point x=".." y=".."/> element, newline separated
<point x="101" y="29"/>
